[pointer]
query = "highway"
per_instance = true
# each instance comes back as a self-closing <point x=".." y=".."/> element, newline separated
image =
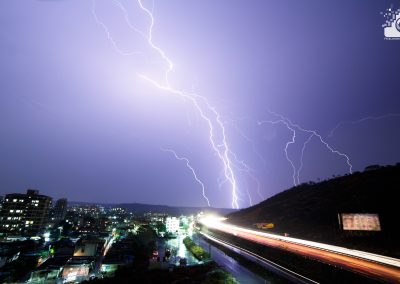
<point x="280" y="274"/>
<point x="371" y="265"/>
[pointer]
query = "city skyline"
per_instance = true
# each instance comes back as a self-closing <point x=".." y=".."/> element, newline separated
<point x="79" y="121"/>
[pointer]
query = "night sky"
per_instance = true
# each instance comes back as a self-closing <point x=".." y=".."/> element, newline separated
<point x="78" y="119"/>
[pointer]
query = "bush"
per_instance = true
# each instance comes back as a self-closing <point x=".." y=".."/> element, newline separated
<point x="197" y="251"/>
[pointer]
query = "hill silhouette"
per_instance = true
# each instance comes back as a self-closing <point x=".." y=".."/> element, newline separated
<point x="141" y="208"/>
<point x="310" y="210"/>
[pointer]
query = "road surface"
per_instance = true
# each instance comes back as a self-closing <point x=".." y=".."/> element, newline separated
<point x="372" y="265"/>
<point x="242" y="274"/>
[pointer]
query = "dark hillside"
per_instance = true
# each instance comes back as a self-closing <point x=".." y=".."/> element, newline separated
<point x="310" y="211"/>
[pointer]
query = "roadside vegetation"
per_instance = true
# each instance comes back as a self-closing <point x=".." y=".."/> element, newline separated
<point x="197" y="251"/>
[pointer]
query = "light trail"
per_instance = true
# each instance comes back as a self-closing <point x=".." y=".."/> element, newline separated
<point x="361" y="120"/>
<point x="269" y="264"/>
<point x="186" y="160"/>
<point x="207" y="112"/>
<point x="371" y="264"/>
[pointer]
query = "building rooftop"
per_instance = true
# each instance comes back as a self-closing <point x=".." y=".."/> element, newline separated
<point x="54" y="263"/>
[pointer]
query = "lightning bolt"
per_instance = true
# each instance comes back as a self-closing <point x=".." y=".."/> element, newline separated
<point x="364" y="119"/>
<point x="107" y="31"/>
<point x="258" y="185"/>
<point x="207" y="112"/>
<point x="313" y="133"/>
<point x="170" y="65"/>
<point x="290" y="142"/>
<point x="248" y="194"/>
<point x="216" y="126"/>
<point x="250" y="141"/>
<point x="302" y="156"/>
<point x="186" y="160"/>
<point x="245" y="168"/>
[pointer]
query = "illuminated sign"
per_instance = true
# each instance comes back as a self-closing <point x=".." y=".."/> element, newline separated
<point x="71" y="273"/>
<point x="264" y="226"/>
<point x="360" y="222"/>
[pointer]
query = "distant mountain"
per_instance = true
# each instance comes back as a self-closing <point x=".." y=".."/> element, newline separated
<point x="310" y="211"/>
<point x="140" y="208"/>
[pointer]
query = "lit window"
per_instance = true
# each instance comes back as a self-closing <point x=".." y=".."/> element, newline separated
<point x="15" y="200"/>
<point x="11" y="211"/>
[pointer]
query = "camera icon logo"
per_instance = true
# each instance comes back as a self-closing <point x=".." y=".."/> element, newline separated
<point x="398" y="24"/>
<point x="392" y="25"/>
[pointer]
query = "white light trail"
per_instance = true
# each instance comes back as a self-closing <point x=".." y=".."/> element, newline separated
<point x="219" y="224"/>
<point x="186" y="160"/>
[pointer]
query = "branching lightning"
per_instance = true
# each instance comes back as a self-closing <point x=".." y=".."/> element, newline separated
<point x="207" y="112"/>
<point x="291" y="141"/>
<point x="302" y="156"/>
<point x="364" y="119"/>
<point x="312" y="133"/>
<point x="250" y="141"/>
<point x="220" y="147"/>
<point x="193" y="172"/>
<point x="216" y="134"/>
<point x="170" y="65"/>
<point x="107" y="31"/>
<point x="241" y="166"/>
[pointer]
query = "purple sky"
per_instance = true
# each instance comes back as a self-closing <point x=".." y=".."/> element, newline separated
<point x="77" y="120"/>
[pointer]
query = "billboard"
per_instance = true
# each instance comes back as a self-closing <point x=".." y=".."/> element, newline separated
<point x="360" y="222"/>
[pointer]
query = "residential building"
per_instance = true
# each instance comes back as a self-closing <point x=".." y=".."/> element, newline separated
<point x="24" y="214"/>
<point x="172" y="225"/>
<point x="60" y="209"/>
